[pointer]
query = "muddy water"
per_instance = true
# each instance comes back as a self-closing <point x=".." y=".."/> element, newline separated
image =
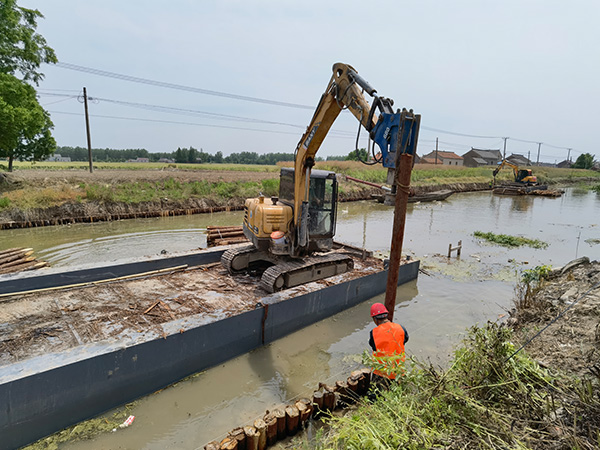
<point x="435" y="309"/>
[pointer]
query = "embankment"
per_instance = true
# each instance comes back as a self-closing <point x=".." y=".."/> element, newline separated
<point x="94" y="211"/>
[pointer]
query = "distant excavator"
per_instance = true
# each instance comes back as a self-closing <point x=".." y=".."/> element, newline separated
<point x="293" y="233"/>
<point x="524" y="177"/>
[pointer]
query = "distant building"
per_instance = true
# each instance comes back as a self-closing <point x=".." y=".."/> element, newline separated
<point x="166" y="160"/>
<point x="479" y="157"/>
<point x="139" y="160"/>
<point x="443" y="158"/>
<point x="57" y="158"/>
<point x="518" y="160"/>
<point x="566" y="164"/>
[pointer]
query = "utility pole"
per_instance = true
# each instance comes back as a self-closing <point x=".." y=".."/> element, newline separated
<point x="569" y="154"/>
<point x="436" y="149"/>
<point x="87" y="129"/>
<point x="528" y="156"/>
<point x="538" y="157"/>
<point x="505" y="139"/>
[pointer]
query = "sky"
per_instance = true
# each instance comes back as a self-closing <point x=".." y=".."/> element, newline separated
<point x="235" y="76"/>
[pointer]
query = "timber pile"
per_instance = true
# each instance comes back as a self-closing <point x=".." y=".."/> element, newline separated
<point x="19" y="259"/>
<point x="290" y="419"/>
<point x="224" y="236"/>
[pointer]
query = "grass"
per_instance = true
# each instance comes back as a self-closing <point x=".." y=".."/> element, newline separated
<point x="52" y="165"/>
<point x="487" y="399"/>
<point x="136" y="192"/>
<point x="510" y="241"/>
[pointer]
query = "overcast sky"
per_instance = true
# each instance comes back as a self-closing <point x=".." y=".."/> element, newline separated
<point x="524" y="69"/>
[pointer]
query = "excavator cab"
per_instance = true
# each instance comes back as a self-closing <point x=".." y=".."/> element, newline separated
<point x="322" y="205"/>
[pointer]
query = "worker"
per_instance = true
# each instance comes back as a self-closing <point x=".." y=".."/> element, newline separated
<point x="387" y="340"/>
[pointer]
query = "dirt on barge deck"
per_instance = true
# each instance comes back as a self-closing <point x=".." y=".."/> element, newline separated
<point x="57" y="320"/>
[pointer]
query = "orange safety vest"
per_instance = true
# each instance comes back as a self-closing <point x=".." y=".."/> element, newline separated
<point x="389" y="342"/>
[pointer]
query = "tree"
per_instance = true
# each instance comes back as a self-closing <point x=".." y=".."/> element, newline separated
<point x="22" y="50"/>
<point x="584" y="161"/>
<point x="360" y="154"/>
<point x="24" y="125"/>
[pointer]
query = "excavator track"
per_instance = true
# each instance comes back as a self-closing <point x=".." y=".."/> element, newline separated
<point x="294" y="273"/>
<point x="233" y="259"/>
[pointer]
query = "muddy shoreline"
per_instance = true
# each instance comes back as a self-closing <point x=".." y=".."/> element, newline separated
<point x="89" y="212"/>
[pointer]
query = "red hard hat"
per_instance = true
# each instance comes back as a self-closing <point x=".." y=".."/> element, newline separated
<point x="377" y="309"/>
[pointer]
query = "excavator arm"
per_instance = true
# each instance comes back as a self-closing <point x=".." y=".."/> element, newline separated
<point x="392" y="132"/>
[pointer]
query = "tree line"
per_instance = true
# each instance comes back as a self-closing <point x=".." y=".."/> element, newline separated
<point x="180" y="156"/>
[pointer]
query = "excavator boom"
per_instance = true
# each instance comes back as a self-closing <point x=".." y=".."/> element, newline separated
<point x="287" y="230"/>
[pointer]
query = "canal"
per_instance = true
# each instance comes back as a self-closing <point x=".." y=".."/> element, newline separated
<point x="452" y="295"/>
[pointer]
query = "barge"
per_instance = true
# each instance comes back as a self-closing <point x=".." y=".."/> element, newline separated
<point x="76" y="343"/>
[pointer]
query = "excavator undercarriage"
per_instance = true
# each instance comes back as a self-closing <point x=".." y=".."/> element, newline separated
<point x="286" y="272"/>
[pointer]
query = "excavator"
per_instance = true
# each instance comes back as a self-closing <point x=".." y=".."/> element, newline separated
<point x="293" y="233"/>
<point x="522" y="176"/>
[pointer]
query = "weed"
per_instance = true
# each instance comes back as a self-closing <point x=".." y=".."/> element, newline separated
<point x="487" y="399"/>
<point x="510" y="241"/>
<point x="4" y="202"/>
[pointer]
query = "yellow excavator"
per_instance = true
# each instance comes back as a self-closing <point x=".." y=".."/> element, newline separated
<point x="522" y="176"/>
<point x="293" y="233"/>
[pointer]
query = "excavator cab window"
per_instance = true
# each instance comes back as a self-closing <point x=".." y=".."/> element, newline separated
<point x="321" y="203"/>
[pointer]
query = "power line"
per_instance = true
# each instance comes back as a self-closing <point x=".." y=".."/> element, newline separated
<point x="119" y="76"/>
<point x="459" y="134"/>
<point x="189" y="112"/>
<point x="182" y="123"/>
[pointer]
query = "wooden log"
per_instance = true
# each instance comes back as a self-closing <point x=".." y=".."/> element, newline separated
<point x="352" y="388"/>
<point x="367" y="374"/>
<point x="229" y="443"/>
<point x="18" y="262"/>
<point x="309" y="407"/>
<point x="345" y="399"/>
<point x="22" y="267"/>
<point x="317" y="403"/>
<point x="12" y="250"/>
<point x="227" y="241"/>
<point x="261" y="429"/>
<point x="271" y="422"/>
<point x="240" y="436"/>
<point x="213" y="445"/>
<point x="292" y="419"/>
<point x="251" y="438"/>
<point x="329" y="400"/>
<point x="14" y="256"/>
<point x="280" y="414"/>
<point x="304" y="413"/>
<point x="213" y="227"/>
<point x="223" y="234"/>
